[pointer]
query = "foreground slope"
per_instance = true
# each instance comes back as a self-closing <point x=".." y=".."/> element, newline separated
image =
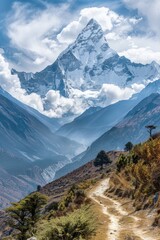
<point x="108" y="196"/>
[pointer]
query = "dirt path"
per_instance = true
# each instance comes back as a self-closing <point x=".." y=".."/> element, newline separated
<point x="121" y="225"/>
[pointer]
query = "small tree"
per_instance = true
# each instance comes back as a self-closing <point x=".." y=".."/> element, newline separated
<point x="25" y="214"/>
<point x="128" y="146"/>
<point x="150" y="129"/>
<point x="101" y="159"/>
<point x="39" y="188"/>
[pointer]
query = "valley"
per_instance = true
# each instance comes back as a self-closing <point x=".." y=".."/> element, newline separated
<point x="80" y="138"/>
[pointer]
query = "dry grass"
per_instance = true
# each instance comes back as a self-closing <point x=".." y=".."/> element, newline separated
<point x="102" y="220"/>
<point x="125" y="235"/>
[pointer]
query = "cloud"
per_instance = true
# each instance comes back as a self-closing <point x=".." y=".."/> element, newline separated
<point x="58" y="105"/>
<point x="11" y="84"/>
<point x="113" y="93"/>
<point x="148" y="9"/>
<point x="141" y="55"/>
<point x="55" y="105"/>
<point x="110" y="22"/>
<point x="33" y="31"/>
<point x="41" y="35"/>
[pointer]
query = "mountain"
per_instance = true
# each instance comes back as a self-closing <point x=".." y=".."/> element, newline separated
<point x="94" y="122"/>
<point x="30" y="153"/>
<point x="86" y="129"/>
<point x="86" y="65"/>
<point x="52" y="123"/>
<point x="130" y="128"/>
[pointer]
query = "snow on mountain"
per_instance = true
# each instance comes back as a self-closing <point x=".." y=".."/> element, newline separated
<point x="84" y="70"/>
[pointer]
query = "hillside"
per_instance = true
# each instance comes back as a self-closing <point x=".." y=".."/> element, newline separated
<point x="121" y="193"/>
<point x="95" y="122"/>
<point x="84" y="176"/>
<point x="30" y="153"/>
<point x="130" y="128"/>
<point x="86" y="172"/>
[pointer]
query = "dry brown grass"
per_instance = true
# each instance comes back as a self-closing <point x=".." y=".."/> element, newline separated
<point x="102" y="221"/>
<point x="127" y="235"/>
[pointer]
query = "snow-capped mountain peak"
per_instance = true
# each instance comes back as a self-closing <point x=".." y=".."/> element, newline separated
<point x="92" y="31"/>
<point x="80" y="71"/>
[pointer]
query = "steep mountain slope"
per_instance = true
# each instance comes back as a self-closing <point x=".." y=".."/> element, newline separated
<point x="93" y="123"/>
<point x="87" y="64"/>
<point x="88" y="128"/>
<point x="30" y="153"/>
<point x="52" y="123"/>
<point x="130" y="128"/>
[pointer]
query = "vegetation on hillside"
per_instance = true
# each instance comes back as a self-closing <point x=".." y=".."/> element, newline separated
<point x="139" y="174"/>
<point x="101" y="159"/>
<point x="25" y="214"/>
<point x="77" y="225"/>
<point x="37" y="215"/>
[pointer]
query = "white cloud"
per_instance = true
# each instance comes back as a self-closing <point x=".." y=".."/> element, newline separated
<point x="55" y="105"/>
<point x="33" y="31"/>
<point x="150" y="9"/>
<point x="69" y="33"/>
<point x="11" y="84"/>
<point x="110" y="22"/>
<point x="141" y="55"/>
<point x="40" y="34"/>
<point x="114" y="93"/>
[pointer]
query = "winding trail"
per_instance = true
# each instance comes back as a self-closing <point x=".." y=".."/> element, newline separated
<point x="116" y="214"/>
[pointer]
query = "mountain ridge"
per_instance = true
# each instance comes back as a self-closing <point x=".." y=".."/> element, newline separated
<point x="30" y="153"/>
<point x="94" y="122"/>
<point x="87" y="65"/>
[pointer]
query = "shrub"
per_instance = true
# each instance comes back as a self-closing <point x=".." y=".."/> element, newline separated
<point x="75" y="226"/>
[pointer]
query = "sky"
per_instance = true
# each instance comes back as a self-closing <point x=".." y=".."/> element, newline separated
<point x="34" y="32"/>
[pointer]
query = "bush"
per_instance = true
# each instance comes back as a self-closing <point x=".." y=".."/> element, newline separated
<point x="77" y="225"/>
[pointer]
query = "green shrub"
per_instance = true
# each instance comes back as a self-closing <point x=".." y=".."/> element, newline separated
<point x="77" y="225"/>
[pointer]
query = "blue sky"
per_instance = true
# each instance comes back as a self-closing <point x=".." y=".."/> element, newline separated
<point x="6" y="8"/>
<point x="34" y="32"/>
